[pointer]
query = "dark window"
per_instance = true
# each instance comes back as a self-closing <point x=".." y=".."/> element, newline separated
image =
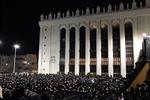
<point x="116" y="41"/>
<point x="93" y="68"/>
<point x="129" y="68"/>
<point x="104" y="69"/>
<point x="72" y="68"/>
<point x="82" y="70"/>
<point x="62" y="49"/>
<point x="72" y="43"/>
<point x="62" y="68"/>
<point x="129" y="45"/>
<point x="116" y="70"/>
<point x="92" y="43"/>
<point x="104" y="42"/>
<point x="82" y="42"/>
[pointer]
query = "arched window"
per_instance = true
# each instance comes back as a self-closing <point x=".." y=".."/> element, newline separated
<point x="82" y="42"/>
<point x="116" y="48"/>
<point x="93" y="43"/>
<point x="104" y="48"/>
<point x="62" y="50"/>
<point x="116" y="40"/>
<point x="129" y="45"/>
<point x="72" y="50"/>
<point x="93" y="48"/>
<point x="82" y="70"/>
<point x="72" y="42"/>
<point x="104" y="41"/>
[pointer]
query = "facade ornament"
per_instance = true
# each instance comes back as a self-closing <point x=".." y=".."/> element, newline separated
<point x="98" y="10"/>
<point x="87" y="11"/>
<point x="63" y="15"/>
<point x="141" y="4"/>
<point x="93" y="11"/>
<point x="42" y="17"/>
<point x="115" y="8"/>
<point x="147" y="3"/>
<point x="109" y="8"/>
<point x="68" y="14"/>
<point x="77" y="12"/>
<point x="58" y="15"/>
<point x="103" y="9"/>
<point x="50" y="16"/>
<point x="127" y="6"/>
<point x="46" y="17"/>
<point x="121" y="6"/>
<point x="82" y="12"/>
<point x="72" y="13"/>
<point x="134" y="6"/>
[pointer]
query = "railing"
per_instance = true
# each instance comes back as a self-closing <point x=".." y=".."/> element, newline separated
<point x="116" y="61"/>
<point x="104" y="61"/>
<point x="93" y="61"/>
<point x="72" y="61"/>
<point x="129" y="61"/>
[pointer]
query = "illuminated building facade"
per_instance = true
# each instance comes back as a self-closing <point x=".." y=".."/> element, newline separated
<point x="104" y="40"/>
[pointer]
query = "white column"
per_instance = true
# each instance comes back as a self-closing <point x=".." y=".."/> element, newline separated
<point x="77" y="51"/>
<point x="136" y="41"/>
<point x="122" y="48"/>
<point x="98" y="49"/>
<point x="40" y="59"/>
<point x="67" y="51"/>
<point x="110" y="49"/>
<point x="87" y="67"/>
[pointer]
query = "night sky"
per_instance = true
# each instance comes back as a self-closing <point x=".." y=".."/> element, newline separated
<point x="19" y="20"/>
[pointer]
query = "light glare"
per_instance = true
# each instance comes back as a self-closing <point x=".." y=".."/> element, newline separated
<point x="144" y="34"/>
<point x="16" y="46"/>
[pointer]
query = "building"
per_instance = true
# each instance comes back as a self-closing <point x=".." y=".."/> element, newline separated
<point x="104" y="40"/>
<point x="24" y="63"/>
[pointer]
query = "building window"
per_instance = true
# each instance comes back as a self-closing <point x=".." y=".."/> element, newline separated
<point x="62" y="49"/>
<point x="93" y="43"/>
<point x="104" y="47"/>
<point x="82" y="42"/>
<point x="72" y="69"/>
<point x="72" y="43"/>
<point x="116" y="40"/>
<point x="62" y="68"/>
<point x="104" y="69"/>
<point x="129" y="45"/>
<point x="104" y="41"/>
<point x="93" y="68"/>
<point x="116" y="70"/>
<point x="82" y="70"/>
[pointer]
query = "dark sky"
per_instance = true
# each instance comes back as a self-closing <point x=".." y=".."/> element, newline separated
<point x="19" y="20"/>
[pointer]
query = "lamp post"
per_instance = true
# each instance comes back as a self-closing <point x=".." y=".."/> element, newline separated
<point x="16" y="46"/>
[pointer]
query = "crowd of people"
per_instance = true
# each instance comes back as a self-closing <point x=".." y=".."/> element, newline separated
<point x="69" y="87"/>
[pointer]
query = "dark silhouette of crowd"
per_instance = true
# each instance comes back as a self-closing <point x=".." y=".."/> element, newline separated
<point x="70" y="87"/>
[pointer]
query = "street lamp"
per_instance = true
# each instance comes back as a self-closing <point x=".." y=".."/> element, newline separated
<point x="16" y="46"/>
